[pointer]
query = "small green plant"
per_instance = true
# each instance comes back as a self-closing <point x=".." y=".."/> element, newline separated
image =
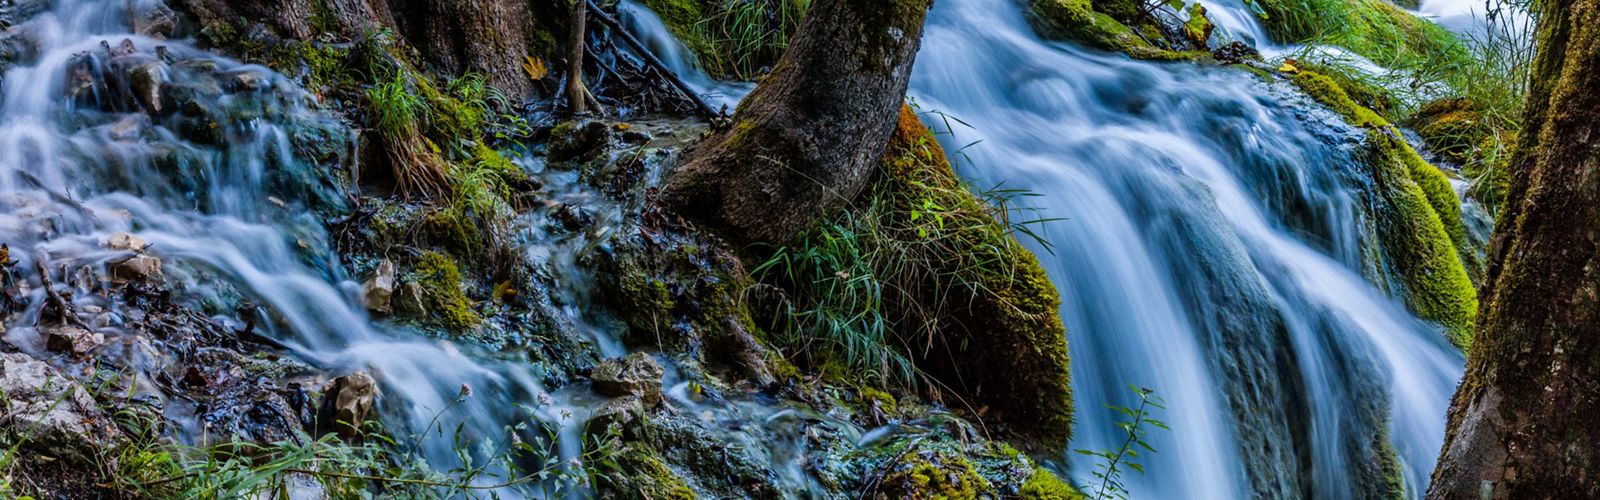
<point x="1113" y="462"/>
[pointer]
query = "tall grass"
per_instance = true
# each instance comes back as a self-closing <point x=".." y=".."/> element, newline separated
<point x="876" y="287"/>
<point x="750" y="35"/>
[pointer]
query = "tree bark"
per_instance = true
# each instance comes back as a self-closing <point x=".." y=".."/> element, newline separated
<point x="1525" y="421"/>
<point x="576" y="92"/>
<point x="805" y="141"/>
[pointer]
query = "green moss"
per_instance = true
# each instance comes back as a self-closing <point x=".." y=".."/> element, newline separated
<point x="1414" y="235"/>
<point x="1374" y="29"/>
<point x="1441" y="196"/>
<point x="1073" y="20"/>
<point x="1327" y="91"/>
<point x="884" y="400"/>
<point x="1044" y="485"/>
<point x="441" y="285"/>
<point x="932" y="475"/>
<point x="640" y="473"/>
<point x="922" y="261"/>
<point x="1198" y="28"/>
<point x="1419" y="219"/>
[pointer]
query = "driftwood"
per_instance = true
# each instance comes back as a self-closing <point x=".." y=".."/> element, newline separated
<point x="651" y="60"/>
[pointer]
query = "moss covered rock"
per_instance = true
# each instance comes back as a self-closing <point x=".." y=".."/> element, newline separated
<point x="441" y="286"/>
<point x="1419" y="217"/>
<point x="1199" y="27"/>
<point x="1079" y="21"/>
<point x="1044" y="485"/>
<point x="639" y="473"/>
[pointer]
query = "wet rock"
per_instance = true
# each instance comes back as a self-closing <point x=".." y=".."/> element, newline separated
<point x="1235" y="53"/>
<point x="379" y="289"/>
<point x="126" y="241"/>
<point x="636" y="374"/>
<point x="136" y="268"/>
<point x="152" y="19"/>
<point x="571" y="217"/>
<point x="569" y="141"/>
<point x="349" y="401"/>
<point x="408" y="301"/>
<point x="145" y="80"/>
<point x="72" y="339"/>
<point x="51" y="409"/>
<point x="625" y="413"/>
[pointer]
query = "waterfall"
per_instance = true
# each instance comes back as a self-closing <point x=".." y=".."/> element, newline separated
<point x="78" y="164"/>
<point x="1212" y="250"/>
<point x="1215" y="244"/>
<point x="1215" y="247"/>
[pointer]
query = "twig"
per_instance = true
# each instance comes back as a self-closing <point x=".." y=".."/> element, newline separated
<point x="649" y="58"/>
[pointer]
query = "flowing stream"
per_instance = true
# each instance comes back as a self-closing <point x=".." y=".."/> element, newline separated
<point x="1216" y="245"/>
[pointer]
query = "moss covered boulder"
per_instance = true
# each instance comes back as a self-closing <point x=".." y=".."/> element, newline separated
<point x="1081" y="21"/>
<point x="1418" y="215"/>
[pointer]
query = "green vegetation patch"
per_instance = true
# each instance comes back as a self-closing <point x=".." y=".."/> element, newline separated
<point x="919" y="274"/>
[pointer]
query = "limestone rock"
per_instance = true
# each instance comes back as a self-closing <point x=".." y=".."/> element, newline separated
<point x="136" y="268"/>
<point x="72" y="339"/>
<point x="636" y="374"/>
<point x="379" y="289"/>
<point x="152" y="19"/>
<point x="126" y="241"/>
<point x="349" y="401"/>
<point x="407" y="301"/>
<point x="49" y="407"/>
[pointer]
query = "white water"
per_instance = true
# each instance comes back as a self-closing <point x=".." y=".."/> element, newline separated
<point x="217" y="220"/>
<point x="1167" y="174"/>
<point x="1157" y="168"/>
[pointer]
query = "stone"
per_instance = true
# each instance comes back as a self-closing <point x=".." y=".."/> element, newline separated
<point x="349" y="401"/>
<point x="136" y="268"/>
<point x="48" y="407"/>
<point x="626" y="413"/>
<point x="145" y="80"/>
<point x="126" y="241"/>
<point x="152" y="19"/>
<point x="582" y="141"/>
<point x="636" y="374"/>
<point x="379" y="289"/>
<point x="407" y="301"/>
<point x="72" y="339"/>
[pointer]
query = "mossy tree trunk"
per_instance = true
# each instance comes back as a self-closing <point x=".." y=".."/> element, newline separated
<point x="807" y="139"/>
<point x="1525" y="421"/>
<point x="489" y="37"/>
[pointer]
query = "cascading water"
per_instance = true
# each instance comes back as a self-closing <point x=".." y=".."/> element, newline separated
<point x="1214" y="249"/>
<point x="1214" y="245"/>
<point x="195" y="183"/>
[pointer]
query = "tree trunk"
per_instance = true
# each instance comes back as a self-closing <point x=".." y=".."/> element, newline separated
<point x="1526" y="419"/>
<point x="807" y="139"/>
<point x="576" y="92"/>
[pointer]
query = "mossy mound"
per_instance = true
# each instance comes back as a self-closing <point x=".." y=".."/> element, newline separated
<point x="639" y="473"/>
<point x="441" y="286"/>
<point x="919" y="281"/>
<point x="1044" y="485"/>
<point x="682" y="293"/>
<point x="1450" y="127"/>
<point x="951" y="463"/>
<point x="1080" y="21"/>
<point x="1419" y="220"/>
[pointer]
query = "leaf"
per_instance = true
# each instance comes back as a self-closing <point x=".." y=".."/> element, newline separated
<point x="1290" y="66"/>
<point x="535" y="68"/>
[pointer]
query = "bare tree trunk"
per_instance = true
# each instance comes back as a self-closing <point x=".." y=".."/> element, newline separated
<point x="1525" y="422"/>
<point x="805" y="141"/>
<point x="577" y="94"/>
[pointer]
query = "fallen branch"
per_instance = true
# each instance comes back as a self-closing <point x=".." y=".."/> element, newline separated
<point x="651" y="60"/>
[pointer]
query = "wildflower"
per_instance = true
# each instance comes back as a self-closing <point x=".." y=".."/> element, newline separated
<point x="544" y="399"/>
<point x="466" y="391"/>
